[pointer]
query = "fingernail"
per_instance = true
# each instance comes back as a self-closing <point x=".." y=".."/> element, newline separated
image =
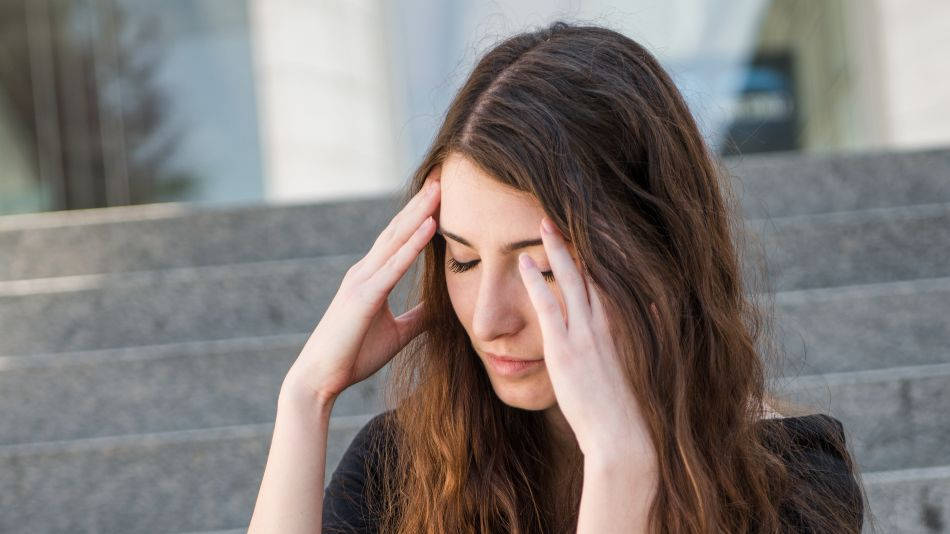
<point x="525" y="261"/>
<point x="546" y="225"/>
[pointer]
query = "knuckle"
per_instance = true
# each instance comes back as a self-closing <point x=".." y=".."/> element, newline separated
<point x="385" y="237"/>
<point x="391" y="262"/>
<point x="344" y="295"/>
<point x="420" y="229"/>
<point x="365" y="295"/>
<point x="355" y="271"/>
<point x="390" y="230"/>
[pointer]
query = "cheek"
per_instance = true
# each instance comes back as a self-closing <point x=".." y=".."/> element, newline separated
<point x="461" y="294"/>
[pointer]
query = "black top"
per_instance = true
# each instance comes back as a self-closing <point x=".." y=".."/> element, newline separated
<point x="346" y="510"/>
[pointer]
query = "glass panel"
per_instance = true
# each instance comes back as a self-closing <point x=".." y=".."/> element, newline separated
<point x="759" y="75"/>
<point x="108" y="102"/>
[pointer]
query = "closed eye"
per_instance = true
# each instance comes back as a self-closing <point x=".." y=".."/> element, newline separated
<point x="458" y="267"/>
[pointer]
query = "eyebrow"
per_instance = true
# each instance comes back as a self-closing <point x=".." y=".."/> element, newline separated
<point x="509" y="247"/>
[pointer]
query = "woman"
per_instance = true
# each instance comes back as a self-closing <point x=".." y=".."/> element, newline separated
<point x="573" y="221"/>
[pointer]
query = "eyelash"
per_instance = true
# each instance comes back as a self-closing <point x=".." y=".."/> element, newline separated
<point x="457" y="267"/>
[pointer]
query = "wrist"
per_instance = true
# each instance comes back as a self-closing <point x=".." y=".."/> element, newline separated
<point x="622" y="448"/>
<point x="627" y="460"/>
<point x="630" y="463"/>
<point x="617" y="492"/>
<point x="293" y="391"/>
<point x="634" y="476"/>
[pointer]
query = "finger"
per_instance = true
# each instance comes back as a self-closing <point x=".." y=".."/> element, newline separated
<point x="402" y="227"/>
<point x="598" y="314"/>
<point x="409" y="324"/>
<point x="381" y="283"/>
<point x="569" y="280"/>
<point x="553" y="327"/>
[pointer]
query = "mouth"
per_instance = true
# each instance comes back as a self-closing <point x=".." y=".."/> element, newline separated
<point x="508" y="366"/>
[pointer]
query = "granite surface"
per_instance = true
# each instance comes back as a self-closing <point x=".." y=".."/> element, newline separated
<point x="142" y="348"/>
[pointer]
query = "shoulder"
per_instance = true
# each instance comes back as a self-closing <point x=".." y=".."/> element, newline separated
<point x="814" y="449"/>
<point x="808" y="442"/>
<point x="350" y="497"/>
<point x="375" y="432"/>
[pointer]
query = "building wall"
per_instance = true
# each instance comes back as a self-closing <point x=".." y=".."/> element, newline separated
<point x="297" y="100"/>
<point x="324" y="98"/>
<point x="915" y="47"/>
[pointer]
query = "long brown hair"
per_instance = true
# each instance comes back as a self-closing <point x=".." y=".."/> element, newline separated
<point x="587" y="121"/>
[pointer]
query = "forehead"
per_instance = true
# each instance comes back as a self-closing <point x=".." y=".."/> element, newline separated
<point x="477" y="206"/>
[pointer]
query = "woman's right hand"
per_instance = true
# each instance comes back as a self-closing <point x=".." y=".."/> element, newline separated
<point x="358" y="334"/>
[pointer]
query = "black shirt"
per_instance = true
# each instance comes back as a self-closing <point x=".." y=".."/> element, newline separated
<point x="346" y="510"/>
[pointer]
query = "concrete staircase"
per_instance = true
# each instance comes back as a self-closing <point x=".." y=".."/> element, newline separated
<point x="144" y="346"/>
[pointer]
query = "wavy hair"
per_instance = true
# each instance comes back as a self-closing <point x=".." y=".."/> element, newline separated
<point x="587" y="121"/>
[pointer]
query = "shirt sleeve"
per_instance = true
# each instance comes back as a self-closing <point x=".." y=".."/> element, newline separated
<point x="822" y="465"/>
<point x="348" y="498"/>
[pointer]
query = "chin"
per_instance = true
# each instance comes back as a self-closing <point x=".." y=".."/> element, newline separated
<point x="533" y="394"/>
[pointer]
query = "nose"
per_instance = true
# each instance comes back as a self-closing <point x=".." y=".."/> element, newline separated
<point x="500" y="306"/>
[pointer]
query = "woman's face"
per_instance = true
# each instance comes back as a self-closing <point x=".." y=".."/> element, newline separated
<point x="489" y="297"/>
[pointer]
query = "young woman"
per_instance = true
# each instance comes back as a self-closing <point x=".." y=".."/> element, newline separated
<point x="582" y="354"/>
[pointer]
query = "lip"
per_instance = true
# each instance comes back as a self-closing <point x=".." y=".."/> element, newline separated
<point x="507" y="366"/>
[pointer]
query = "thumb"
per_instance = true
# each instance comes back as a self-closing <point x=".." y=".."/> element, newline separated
<point x="410" y="324"/>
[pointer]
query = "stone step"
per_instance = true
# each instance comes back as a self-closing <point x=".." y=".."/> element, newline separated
<point x="165" y="236"/>
<point x="168" y="482"/>
<point x="906" y="501"/>
<point x="859" y="247"/>
<point x="163" y="388"/>
<point x="176" y="305"/>
<point x="146" y="344"/>
<point x="161" y="236"/>
<point x="912" y="500"/>
<point x="872" y="326"/>
<point x="909" y="500"/>
<point x="822" y="330"/>
<point x="894" y="418"/>
<point x="855" y="247"/>
<point x="792" y="183"/>
<point x="232" y="382"/>
<point x="156" y="307"/>
<point x="208" y="480"/>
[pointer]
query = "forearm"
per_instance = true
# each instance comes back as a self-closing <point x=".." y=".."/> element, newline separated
<point x="616" y="496"/>
<point x="290" y="499"/>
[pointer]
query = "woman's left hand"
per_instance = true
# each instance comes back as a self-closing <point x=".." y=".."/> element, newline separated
<point x="582" y="361"/>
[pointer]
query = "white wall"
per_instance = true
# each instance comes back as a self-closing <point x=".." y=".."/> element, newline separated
<point x="350" y="92"/>
<point x="324" y="98"/>
<point x="916" y="71"/>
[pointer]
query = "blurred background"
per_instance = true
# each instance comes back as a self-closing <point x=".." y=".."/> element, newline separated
<point x="183" y="185"/>
<point x="116" y="102"/>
